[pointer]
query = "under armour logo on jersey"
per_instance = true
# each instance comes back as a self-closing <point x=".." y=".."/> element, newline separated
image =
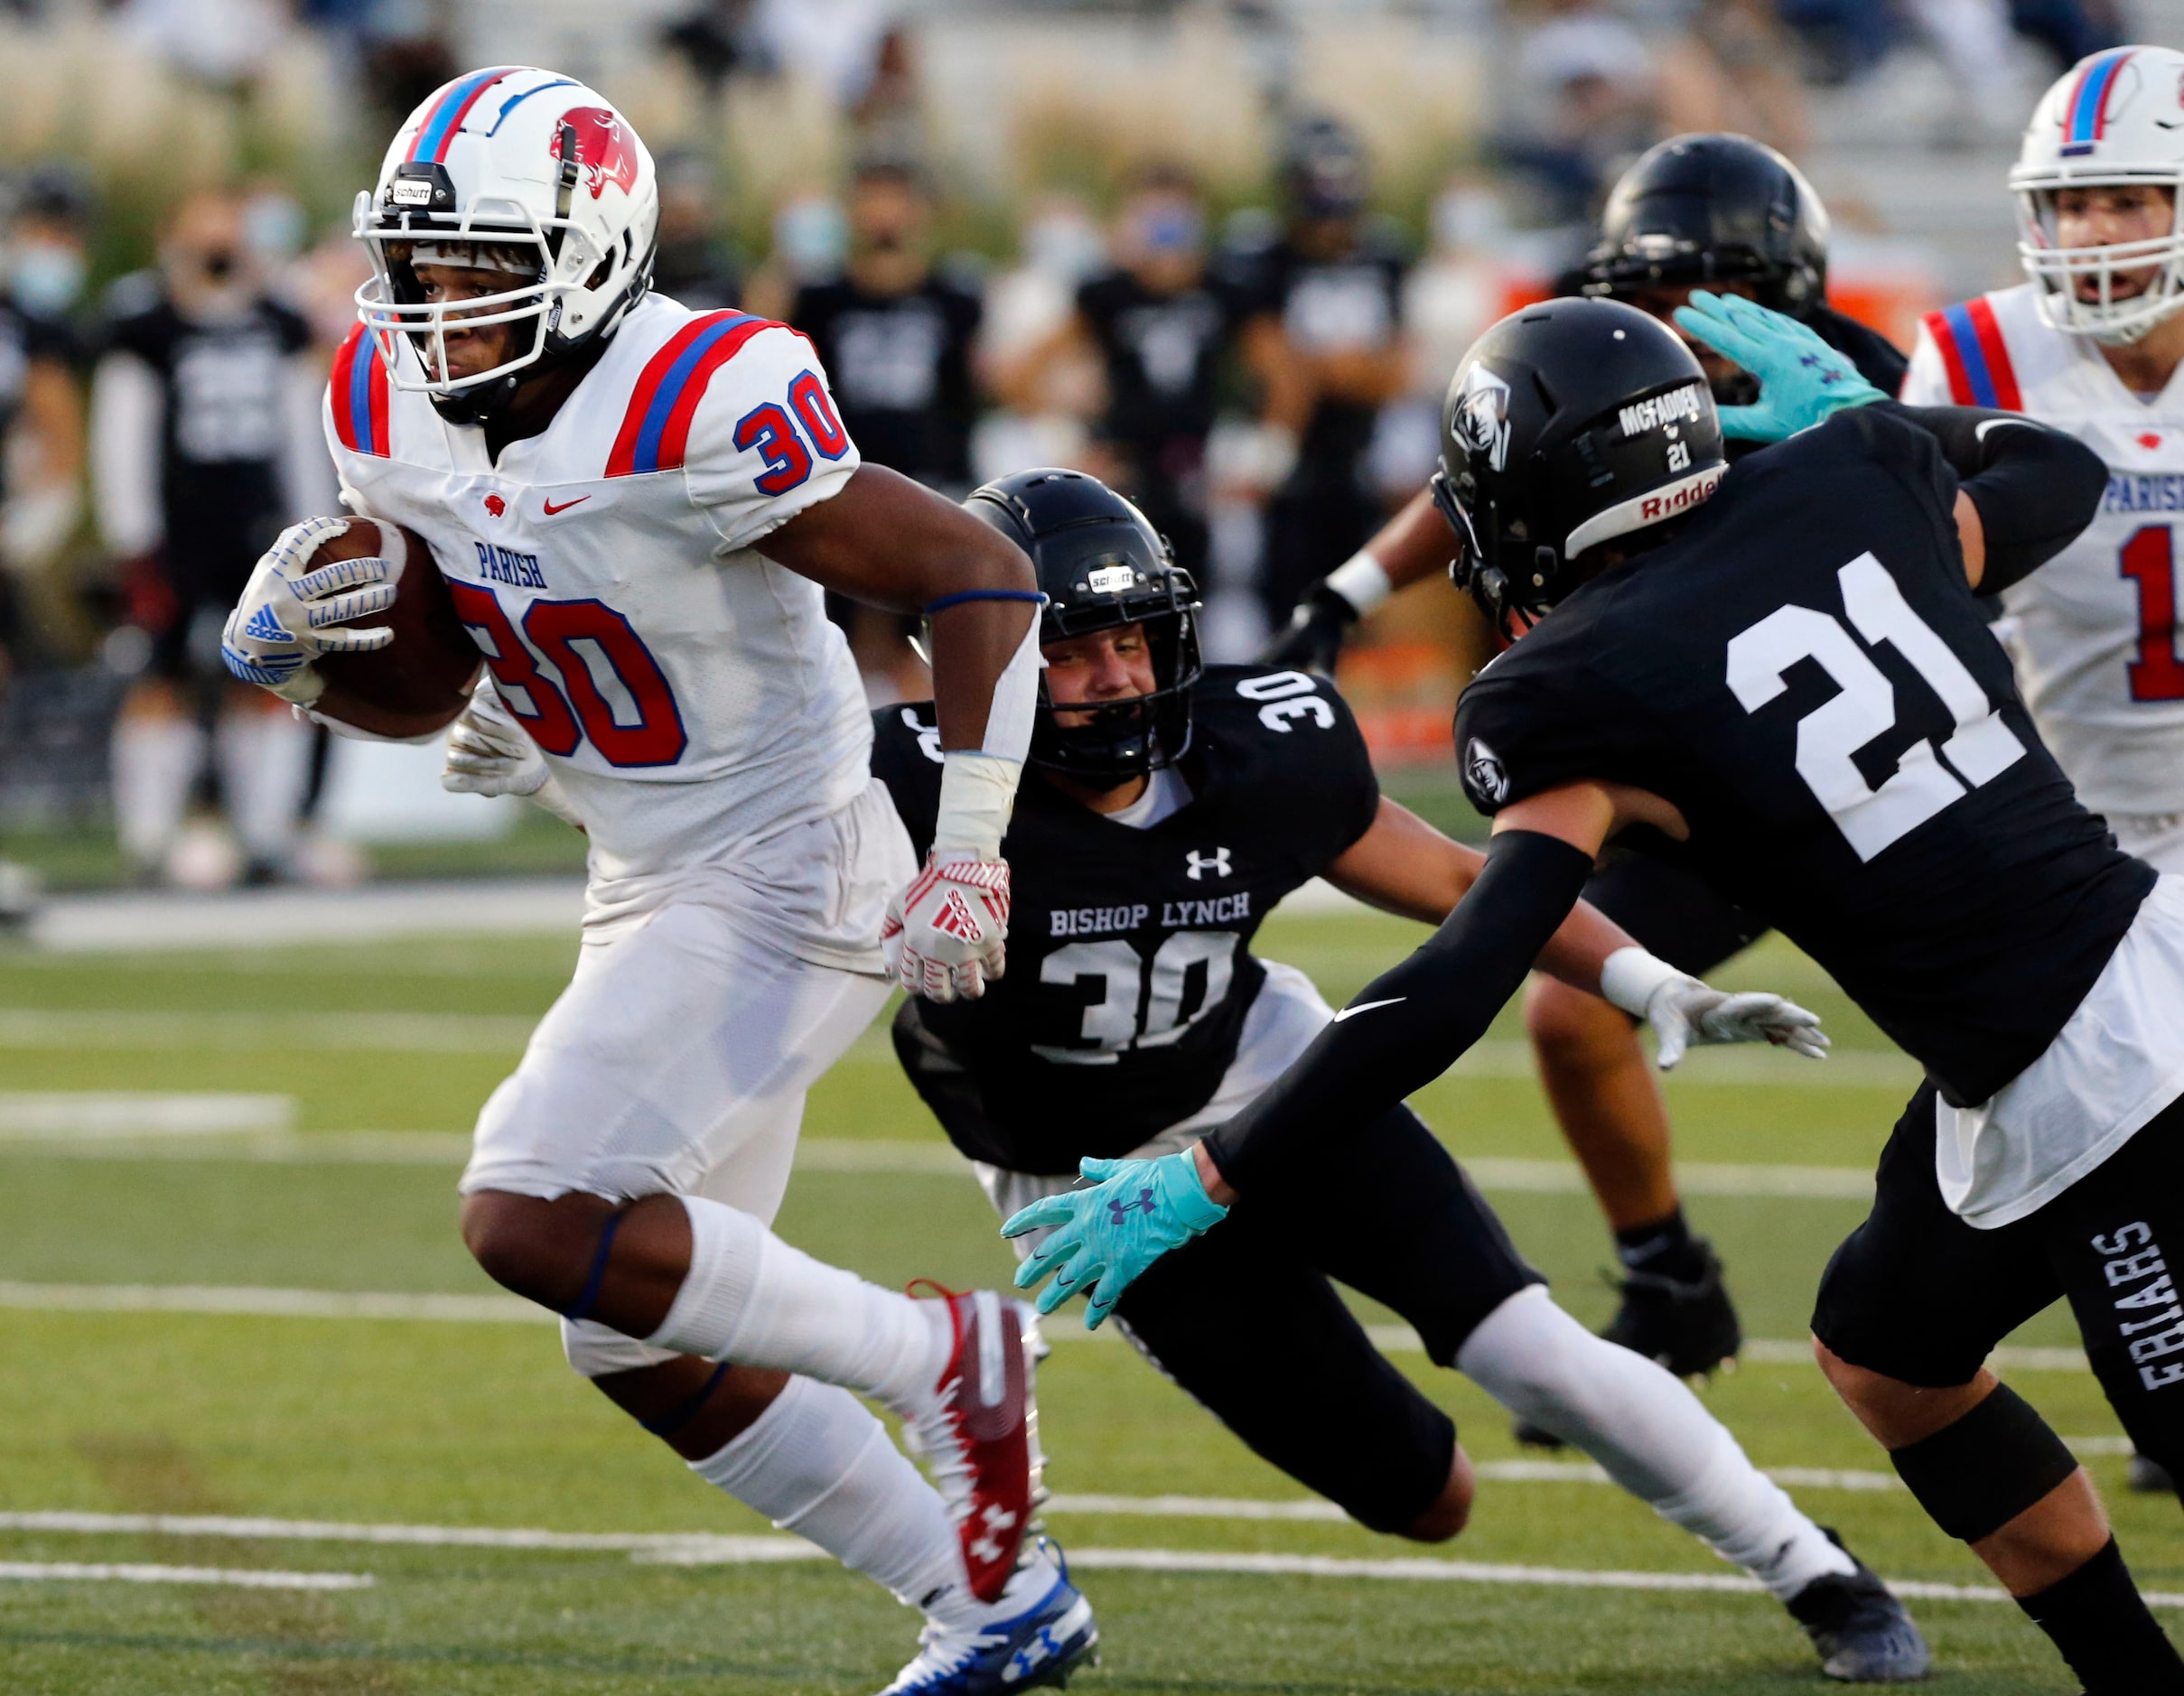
<point x="1197" y="865"/>
<point x="267" y="628"/>
<point x="1119" y="1208"/>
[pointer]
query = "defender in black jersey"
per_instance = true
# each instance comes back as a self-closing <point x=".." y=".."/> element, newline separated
<point x="1782" y="671"/>
<point x="1725" y="213"/>
<point x="1171" y="809"/>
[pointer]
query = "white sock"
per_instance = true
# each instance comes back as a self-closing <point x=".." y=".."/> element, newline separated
<point x="264" y="766"/>
<point x="817" y="1463"/>
<point x="1651" y="1435"/>
<point x="156" y="762"/>
<point x="751" y="1297"/>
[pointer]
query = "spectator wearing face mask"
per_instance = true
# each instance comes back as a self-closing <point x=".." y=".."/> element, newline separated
<point x="205" y="443"/>
<point x="896" y="333"/>
<point x="1158" y="324"/>
<point x="41" y="410"/>
<point x="1323" y="335"/>
<point x="896" y="337"/>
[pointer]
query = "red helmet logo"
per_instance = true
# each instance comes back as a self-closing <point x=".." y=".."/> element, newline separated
<point x="495" y="505"/>
<point x="604" y="147"/>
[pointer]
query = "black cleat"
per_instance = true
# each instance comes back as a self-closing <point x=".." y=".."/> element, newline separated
<point x="1862" y="1633"/>
<point x="1687" y="1325"/>
<point x="2149" y="1476"/>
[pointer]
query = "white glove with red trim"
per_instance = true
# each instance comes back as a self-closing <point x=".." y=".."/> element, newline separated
<point x="947" y="934"/>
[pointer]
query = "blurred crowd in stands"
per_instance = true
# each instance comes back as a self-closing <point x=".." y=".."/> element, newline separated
<point x="1263" y="377"/>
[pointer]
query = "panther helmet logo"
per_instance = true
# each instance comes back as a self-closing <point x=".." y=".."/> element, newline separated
<point x="602" y="148"/>
<point x="1484" y="774"/>
<point x="1479" y="418"/>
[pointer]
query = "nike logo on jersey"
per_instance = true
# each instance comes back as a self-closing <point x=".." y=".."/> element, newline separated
<point x="1367" y="1007"/>
<point x="1979" y="432"/>
<point x="551" y="508"/>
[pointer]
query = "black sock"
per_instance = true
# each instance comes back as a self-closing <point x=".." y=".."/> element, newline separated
<point x="1664" y="1248"/>
<point x="2103" y="1629"/>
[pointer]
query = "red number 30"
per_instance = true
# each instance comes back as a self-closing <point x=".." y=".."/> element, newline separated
<point x="594" y="648"/>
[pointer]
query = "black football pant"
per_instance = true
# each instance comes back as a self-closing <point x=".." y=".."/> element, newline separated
<point x="1247" y="1320"/>
<point x="1916" y="1294"/>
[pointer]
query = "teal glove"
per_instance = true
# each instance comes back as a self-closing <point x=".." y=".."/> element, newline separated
<point x="1105" y="1237"/>
<point x="1802" y="380"/>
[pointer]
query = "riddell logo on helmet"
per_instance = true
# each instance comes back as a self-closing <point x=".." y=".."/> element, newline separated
<point x="1682" y="497"/>
<point x="604" y="147"/>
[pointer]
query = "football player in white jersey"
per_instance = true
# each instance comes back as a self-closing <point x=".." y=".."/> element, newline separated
<point x="2091" y="343"/>
<point x="635" y="507"/>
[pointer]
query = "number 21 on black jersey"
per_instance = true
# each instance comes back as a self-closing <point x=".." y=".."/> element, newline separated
<point x="1926" y="779"/>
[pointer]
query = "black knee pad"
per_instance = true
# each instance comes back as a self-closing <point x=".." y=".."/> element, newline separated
<point x="1976" y="1476"/>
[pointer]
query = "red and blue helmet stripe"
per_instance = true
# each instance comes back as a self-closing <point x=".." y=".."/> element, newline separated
<point x="358" y="392"/>
<point x="450" y="106"/>
<point x="656" y="429"/>
<point x="1975" y="356"/>
<point x="2086" y="116"/>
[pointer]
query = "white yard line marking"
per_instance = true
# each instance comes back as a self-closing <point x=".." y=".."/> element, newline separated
<point x="493" y="1309"/>
<point x="245" y="1578"/>
<point x="383" y="1033"/>
<point x="260" y="1303"/>
<point x="495" y="1033"/>
<point x="137" y="922"/>
<point x="902" y="1158"/>
<point x="39" y="1115"/>
<point x="710" y="1549"/>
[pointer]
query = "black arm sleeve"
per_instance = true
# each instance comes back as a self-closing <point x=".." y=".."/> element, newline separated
<point x="2035" y="488"/>
<point x="1410" y="1024"/>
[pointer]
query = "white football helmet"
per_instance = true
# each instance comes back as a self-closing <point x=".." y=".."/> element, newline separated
<point x="515" y="169"/>
<point x="2115" y="118"/>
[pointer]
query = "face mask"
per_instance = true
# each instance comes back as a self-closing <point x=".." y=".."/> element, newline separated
<point x="1171" y="230"/>
<point x="1064" y="244"/>
<point x="46" y="279"/>
<point x="273" y="227"/>
<point x="811" y="236"/>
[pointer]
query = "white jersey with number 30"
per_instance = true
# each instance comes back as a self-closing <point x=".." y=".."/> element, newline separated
<point x="690" y="694"/>
<point x="2093" y="631"/>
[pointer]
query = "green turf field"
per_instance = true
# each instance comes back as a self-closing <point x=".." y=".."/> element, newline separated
<point x="125" y="1391"/>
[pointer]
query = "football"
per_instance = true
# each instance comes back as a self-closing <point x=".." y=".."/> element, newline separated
<point x="418" y="682"/>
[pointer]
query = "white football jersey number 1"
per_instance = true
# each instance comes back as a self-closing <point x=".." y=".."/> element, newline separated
<point x="1980" y="749"/>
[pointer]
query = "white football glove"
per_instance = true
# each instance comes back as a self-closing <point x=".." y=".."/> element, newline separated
<point x="1685" y="1011"/>
<point x="490" y="753"/>
<point x="947" y="934"/>
<point x="282" y="623"/>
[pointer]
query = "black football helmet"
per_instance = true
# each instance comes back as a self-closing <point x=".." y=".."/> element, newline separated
<point x="1102" y="565"/>
<point x="1707" y="209"/>
<point x="1567" y="424"/>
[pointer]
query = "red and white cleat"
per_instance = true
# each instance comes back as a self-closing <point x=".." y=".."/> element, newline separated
<point x="974" y="1432"/>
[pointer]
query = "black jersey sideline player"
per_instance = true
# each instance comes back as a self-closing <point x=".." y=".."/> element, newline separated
<point x="1724" y="213"/>
<point x="1322" y="333"/>
<point x="1159" y="321"/>
<point x="1171" y="809"/>
<point x="1783" y="671"/>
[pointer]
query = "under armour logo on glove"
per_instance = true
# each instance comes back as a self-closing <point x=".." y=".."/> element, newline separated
<point x="945" y="935"/>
